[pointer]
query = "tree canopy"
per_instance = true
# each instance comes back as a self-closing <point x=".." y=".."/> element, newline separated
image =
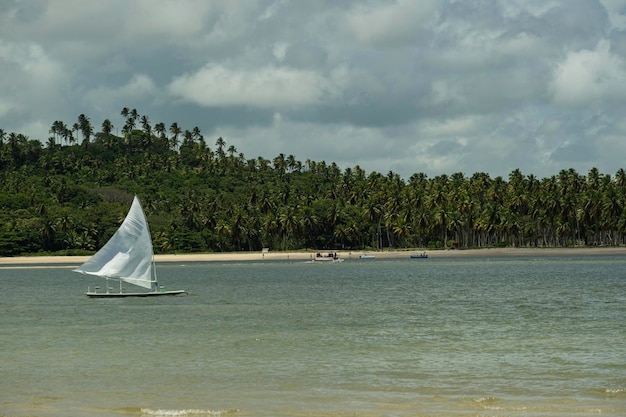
<point x="69" y="196"/>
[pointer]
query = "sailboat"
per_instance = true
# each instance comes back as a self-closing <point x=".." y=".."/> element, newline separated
<point x="128" y="258"/>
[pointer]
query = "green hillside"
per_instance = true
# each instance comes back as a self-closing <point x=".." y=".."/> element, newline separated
<point x="69" y="193"/>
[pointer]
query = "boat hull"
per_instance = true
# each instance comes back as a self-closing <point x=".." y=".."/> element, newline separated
<point x="133" y="294"/>
<point x="326" y="260"/>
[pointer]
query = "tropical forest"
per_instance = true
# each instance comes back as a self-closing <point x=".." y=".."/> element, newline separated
<point x="68" y="194"/>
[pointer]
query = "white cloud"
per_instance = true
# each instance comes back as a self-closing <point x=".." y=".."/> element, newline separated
<point x="140" y="86"/>
<point x="433" y="129"/>
<point x="488" y="48"/>
<point x="271" y="10"/>
<point x="280" y="50"/>
<point x="28" y="60"/>
<point x="512" y="9"/>
<point x="397" y="21"/>
<point x="119" y="19"/>
<point x="168" y="17"/>
<point x="443" y="92"/>
<point x="615" y="11"/>
<point x="30" y="78"/>
<point x="589" y="77"/>
<point x="267" y="87"/>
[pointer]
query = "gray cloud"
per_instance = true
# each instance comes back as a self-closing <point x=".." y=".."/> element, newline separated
<point x="431" y="86"/>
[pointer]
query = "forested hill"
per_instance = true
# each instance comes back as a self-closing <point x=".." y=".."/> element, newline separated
<point x="69" y="195"/>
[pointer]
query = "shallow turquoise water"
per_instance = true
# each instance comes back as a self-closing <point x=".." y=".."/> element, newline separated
<point x="443" y="337"/>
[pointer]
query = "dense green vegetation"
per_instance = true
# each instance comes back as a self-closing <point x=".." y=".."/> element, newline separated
<point x="69" y="196"/>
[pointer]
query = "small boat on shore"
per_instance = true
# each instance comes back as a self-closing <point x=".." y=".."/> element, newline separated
<point x="367" y="256"/>
<point x="328" y="258"/>
<point x="422" y="255"/>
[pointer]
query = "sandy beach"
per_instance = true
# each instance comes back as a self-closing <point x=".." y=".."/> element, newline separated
<point x="303" y="256"/>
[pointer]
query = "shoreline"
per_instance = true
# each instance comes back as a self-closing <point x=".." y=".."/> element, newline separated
<point x="347" y="255"/>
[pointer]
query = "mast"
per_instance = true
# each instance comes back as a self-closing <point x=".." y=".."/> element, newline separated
<point x="154" y="273"/>
<point x="156" y="282"/>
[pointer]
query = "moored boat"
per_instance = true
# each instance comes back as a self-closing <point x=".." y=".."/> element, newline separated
<point x="331" y="257"/>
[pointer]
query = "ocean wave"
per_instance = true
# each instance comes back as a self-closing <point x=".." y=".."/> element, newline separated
<point x="485" y="400"/>
<point x="186" y="413"/>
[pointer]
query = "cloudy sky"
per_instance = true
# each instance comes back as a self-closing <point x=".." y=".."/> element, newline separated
<point x="408" y="86"/>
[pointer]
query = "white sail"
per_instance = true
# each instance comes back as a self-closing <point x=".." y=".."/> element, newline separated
<point x="127" y="256"/>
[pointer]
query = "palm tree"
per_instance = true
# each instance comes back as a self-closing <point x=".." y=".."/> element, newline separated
<point x="197" y="136"/>
<point x="47" y="230"/>
<point x="68" y="135"/>
<point x="131" y="121"/>
<point x="107" y="128"/>
<point x="134" y="115"/>
<point x="292" y="164"/>
<point x="129" y="126"/>
<point x="220" y="143"/>
<point x="159" y="128"/>
<point x="13" y="145"/>
<point x="147" y="132"/>
<point x="373" y="213"/>
<point x="289" y="222"/>
<point x="280" y="164"/>
<point x="262" y="164"/>
<point x="175" y="131"/>
<point x="58" y="128"/>
<point x="224" y="231"/>
<point x="73" y="132"/>
<point x="187" y="139"/>
<point x="84" y="125"/>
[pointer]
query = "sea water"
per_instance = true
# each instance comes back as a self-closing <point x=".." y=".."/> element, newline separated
<point x="532" y="337"/>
